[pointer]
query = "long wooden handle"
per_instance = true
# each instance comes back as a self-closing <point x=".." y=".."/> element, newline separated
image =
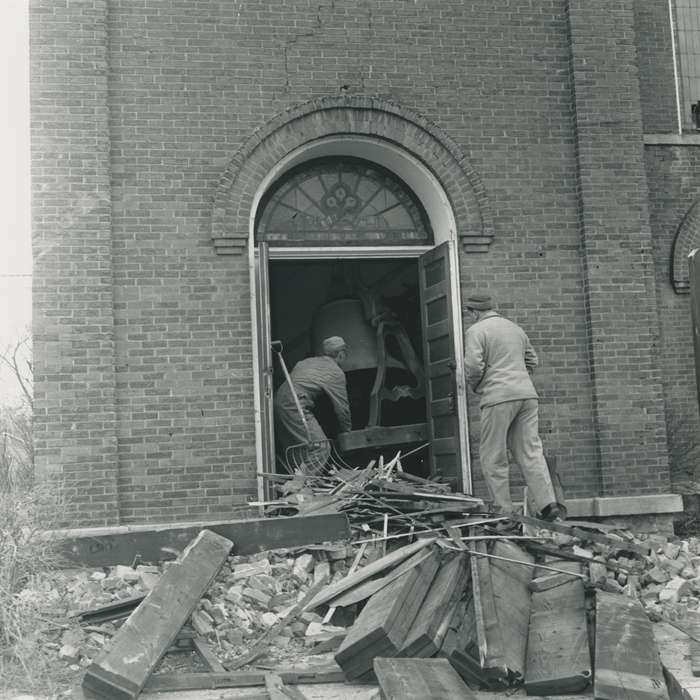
<point x="294" y="393"/>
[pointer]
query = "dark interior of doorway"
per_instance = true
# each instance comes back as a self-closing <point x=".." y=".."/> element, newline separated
<point x="313" y="299"/>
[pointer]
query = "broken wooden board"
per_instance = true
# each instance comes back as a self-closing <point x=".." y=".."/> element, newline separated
<point x="564" y="529"/>
<point x="558" y="654"/>
<point x="111" y="611"/>
<point x="427" y="632"/>
<point x="206" y="655"/>
<point x="627" y="663"/>
<point x="110" y="546"/>
<point x="510" y="582"/>
<point x="239" y="679"/>
<point x="366" y="572"/>
<point x="676" y="662"/>
<point x="121" y="672"/>
<point x="489" y="638"/>
<point x="419" y="679"/>
<point x="384" y="622"/>
<point x="369" y="588"/>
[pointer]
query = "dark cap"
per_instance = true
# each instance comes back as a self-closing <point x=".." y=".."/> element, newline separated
<point x="479" y="302"/>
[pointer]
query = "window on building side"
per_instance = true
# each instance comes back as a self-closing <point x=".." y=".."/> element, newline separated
<point x="688" y="46"/>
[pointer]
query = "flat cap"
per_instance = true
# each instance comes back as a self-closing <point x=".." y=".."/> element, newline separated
<point x="478" y="301"/>
<point x="333" y="344"/>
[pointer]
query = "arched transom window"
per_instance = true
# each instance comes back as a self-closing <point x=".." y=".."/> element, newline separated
<point x="338" y="201"/>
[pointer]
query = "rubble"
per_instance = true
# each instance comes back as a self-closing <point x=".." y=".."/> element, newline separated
<point x="503" y="611"/>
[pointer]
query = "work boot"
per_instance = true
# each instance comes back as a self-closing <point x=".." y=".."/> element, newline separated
<point x="552" y="512"/>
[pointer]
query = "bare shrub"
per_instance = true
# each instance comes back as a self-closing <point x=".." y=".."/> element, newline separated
<point x="27" y="556"/>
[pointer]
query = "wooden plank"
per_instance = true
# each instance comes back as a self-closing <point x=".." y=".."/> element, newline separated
<point x="427" y="631"/>
<point x="163" y="682"/>
<point x="384" y="622"/>
<point x="488" y="631"/>
<point x="627" y="664"/>
<point x="510" y="582"/>
<point x="121" y="671"/>
<point x="111" y="611"/>
<point x="366" y="572"/>
<point x="369" y="588"/>
<point x="108" y="547"/>
<point x="419" y="679"/>
<point x="558" y="656"/>
<point x="380" y="435"/>
<point x="207" y="656"/>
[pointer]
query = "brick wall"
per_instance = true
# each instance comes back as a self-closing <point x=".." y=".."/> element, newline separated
<point x="652" y="28"/>
<point x="72" y="291"/>
<point x="189" y="83"/>
<point x="673" y="189"/>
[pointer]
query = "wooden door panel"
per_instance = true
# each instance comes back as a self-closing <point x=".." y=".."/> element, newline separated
<point x="437" y="319"/>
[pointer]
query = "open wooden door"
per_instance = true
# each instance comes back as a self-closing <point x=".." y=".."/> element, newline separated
<point x="266" y="445"/>
<point x="444" y="375"/>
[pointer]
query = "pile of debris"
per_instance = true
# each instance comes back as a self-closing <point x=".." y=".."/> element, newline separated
<point x="460" y="608"/>
<point x="381" y="499"/>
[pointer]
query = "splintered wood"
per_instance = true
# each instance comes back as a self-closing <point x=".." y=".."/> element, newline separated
<point x="380" y="500"/>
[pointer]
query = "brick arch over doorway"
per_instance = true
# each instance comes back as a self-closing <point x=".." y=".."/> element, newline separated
<point x="334" y="116"/>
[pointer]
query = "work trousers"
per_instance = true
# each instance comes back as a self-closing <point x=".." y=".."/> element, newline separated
<point x="303" y="451"/>
<point x="514" y="425"/>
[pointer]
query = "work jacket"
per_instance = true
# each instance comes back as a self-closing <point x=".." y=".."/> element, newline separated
<point x="311" y="378"/>
<point x="499" y="360"/>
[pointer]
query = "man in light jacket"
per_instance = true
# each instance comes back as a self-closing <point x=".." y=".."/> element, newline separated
<point x="499" y="360"/>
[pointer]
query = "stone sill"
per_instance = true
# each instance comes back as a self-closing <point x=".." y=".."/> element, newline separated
<point x="689" y="138"/>
<point x="603" y="507"/>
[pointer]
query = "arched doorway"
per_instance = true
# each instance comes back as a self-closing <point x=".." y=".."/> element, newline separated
<point x="336" y="218"/>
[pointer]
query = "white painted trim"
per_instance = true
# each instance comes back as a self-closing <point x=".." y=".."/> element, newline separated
<point x="676" y="79"/>
<point x="443" y="223"/>
<point x="257" y="398"/>
<point x="348" y="252"/>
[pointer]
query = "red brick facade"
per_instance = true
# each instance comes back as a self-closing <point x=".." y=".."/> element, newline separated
<point x="154" y="125"/>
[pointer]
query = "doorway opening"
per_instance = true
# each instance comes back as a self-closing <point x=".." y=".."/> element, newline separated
<point x="374" y="304"/>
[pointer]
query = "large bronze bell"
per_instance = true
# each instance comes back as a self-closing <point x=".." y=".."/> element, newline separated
<point x="345" y="317"/>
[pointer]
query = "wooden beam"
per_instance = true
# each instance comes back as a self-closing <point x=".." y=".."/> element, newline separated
<point x="510" y="581"/>
<point x="108" y="547"/>
<point x="121" y="672"/>
<point x="386" y="562"/>
<point x="383" y="624"/>
<point x="163" y="682"/>
<point x="627" y="664"/>
<point x="420" y="679"/>
<point x="379" y="435"/>
<point x="207" y="656"/>
<point x="558" y="656"/>
<point x="428" y="631"/>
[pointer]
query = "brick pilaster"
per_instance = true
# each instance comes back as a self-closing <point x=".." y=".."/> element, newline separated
<point x="75" y="435"/>
<point x="622" y="323"/>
